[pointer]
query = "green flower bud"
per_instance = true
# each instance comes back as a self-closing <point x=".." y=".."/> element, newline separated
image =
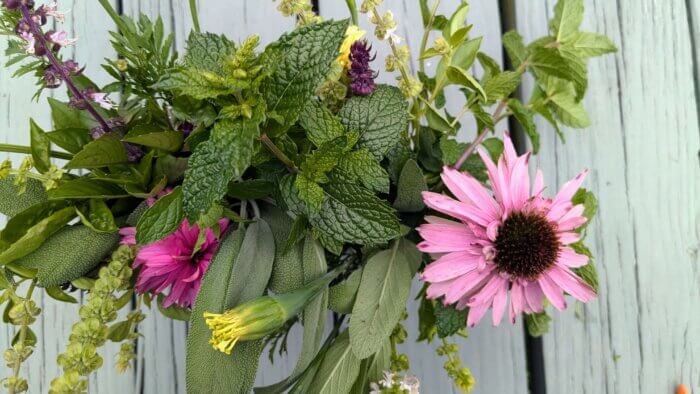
<point x="15" y="384"/>
<point x="70" y="383"/>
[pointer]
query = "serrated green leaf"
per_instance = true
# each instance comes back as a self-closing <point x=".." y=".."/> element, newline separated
<point x="104" y="151"/>
<point x="299" y="62"/>
<point x="513" y="42"/>
<point x="526" y="119"/>
<point x="207" y="51"/>
<point x="568" y="15"/>
<point x="360" y="166"/>
<point x="164" y="217"/>
<point x="484" y="120"/>
<point x="410" y="187"/>
<point x="250" y="189"/>
<point x="310" y="192"/>
<point x="568" y="110"/>
<point x="464" y="78"/>
<point x="381" y="298"/>
<point x="448" y="319"/>
<point x="537" y="323"/>
<point x="339" y="368"/>
<point x="438" y="121"/>
<point x="589" y="201"/>
<point x="40" y="147"/>
<point x="561" y="64"/>
<point x="320" y="124"/>
<point x="351" y="213"/>
<point x="72" y="139"/>
<point x="243" y="266"/>
<point x="379" y="118"/>
<point x="589" y="274"/>
<point x="97" y="216"/>
<point x="80" y="188"/>
<point x="225" y="156"/>
<point x="168" y="140"/>
<point x="199" y="84"/>
<point x="586" y="45"/>
<point x="465" y="54"/>
<point x="501" y="85"/>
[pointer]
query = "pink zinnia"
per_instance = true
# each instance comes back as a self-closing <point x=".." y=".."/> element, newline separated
<point x="174" y="263"/>
<point x="512" y="240"/>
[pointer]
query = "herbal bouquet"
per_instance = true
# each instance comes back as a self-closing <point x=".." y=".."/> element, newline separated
<point x="247" y="189"/>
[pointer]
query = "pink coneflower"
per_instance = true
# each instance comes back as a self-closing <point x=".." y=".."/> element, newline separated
<point x="510" y="240"/>
<point x="173" y="262"/>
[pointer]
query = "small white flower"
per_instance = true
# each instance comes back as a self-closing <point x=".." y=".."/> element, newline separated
<point x="374" y="388"/>
<point x="29" y="41"/>
<point x="61" y="38"/>
<point x="101" y="99"/>
<point x="411" y="384"/>
<point x="51" y="9"/>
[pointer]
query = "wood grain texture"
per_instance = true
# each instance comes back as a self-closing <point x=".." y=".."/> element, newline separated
<point x="641" y="334"/>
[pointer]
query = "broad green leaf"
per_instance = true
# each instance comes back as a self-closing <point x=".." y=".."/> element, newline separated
<point x="40" y="147"/>
<point x="426" y="320"/>
<point x="65" y="117"/>
<point x="12" y="202"/>
<point x="238" y="273"/>
<point x="561" y="64"/>
<point x="372" y="369"/>
<point x="320" y="124"/>
<point x="168" y="140"/>
<point x="526" y="119"/>
<point x="314" y="314"/>
<point x="287" y="273"/>
<point x="86" y="188"/>
<point x="502" y="85"/>
<point x="339" y="368"/>
<point x="104" y="151"/>
<point x="458" y="18"/>
<point x="310" y="192"/>
<point x="513" y="42"/>
<point x="568" y="110"/>
<point x="58" y="294"/>
<point x="382" y="296"/>
<point x="225" y="156"/>
<point x="207" y="51"/>
<point x="586" y="45"/>
<point x="351" y="213"/>
<point x="537" y="323"/>
<point x="410" y="187"/>
<point x="360" y="166"/>
<point x="71" y="139"/>
<point x="437" y="120"/>
<point x="18" y="225"/>
<point x="589" y="274"/>
<point x="342" y="295"/>
<point x="589" y="201"/>
<point x="568" y="15"/>
<point x="451" y="149"/>
<point x="298" y="62"/>
<point x="97" y="216"/>
<point x="198" y="84"/>
<point x="173" y="311"/>
<point x="164" y="217"/>
<point x="491" y="66"/>
<point x="484" y="120"/>
<point x="464" y="78"/>
<point x="379" y="118"/>
<point x="36" y="235"/>
<point x="448" y="319"/>
<point x="465" y="54"/>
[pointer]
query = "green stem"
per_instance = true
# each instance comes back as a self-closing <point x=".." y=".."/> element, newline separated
<point x="352" y="7"/>
<point x="426" y="34"/>
<point x="278" y="153"/>
<point x="195" y="16"/>
<point x="28" y="150"/>
<point x="23" y="333"/>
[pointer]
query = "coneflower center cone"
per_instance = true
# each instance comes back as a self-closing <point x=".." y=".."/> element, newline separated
<point x="526" y="245"/>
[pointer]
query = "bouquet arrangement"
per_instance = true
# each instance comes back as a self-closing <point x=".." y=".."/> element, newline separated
<point x="248" y="189"/>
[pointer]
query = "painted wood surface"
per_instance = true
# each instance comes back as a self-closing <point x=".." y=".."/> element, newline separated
<point x="640" y="336"/>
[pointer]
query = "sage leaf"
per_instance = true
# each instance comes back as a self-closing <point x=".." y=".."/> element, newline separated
<point x="411" y="185"/>
<point x="339" y="368"/>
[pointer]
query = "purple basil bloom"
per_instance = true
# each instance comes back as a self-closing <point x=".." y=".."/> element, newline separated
<point x="361" y="75"/>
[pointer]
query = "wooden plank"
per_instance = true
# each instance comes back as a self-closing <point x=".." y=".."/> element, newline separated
<point x="640" y="334"/>
<point x="496" y="355"/>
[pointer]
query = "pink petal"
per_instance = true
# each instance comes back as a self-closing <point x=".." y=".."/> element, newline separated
<point x="570" y="188"/>
<point x="520" y="182"/>
<point x="476" y="313"/>
<point x="571" y="283"/>
<point x="538" y="185"/>
<point x="466" y="283"/>
<point x="457" y="209"/>
<point x="492" y="172"/>
<point x="516" y="301"/>
<point x="445" y="238"/>
<point x="552" y="292"/>
<point x="450" y="266"/>
<point x="438" y="289"/>
<point x="469" y="190"/>
<point x="486" y="294"/>
<point x="509" y="150"/>
<point x="533" y="296"/>
<point x="499" y="303"/>
<point x="569" y="237"/>
<point x="569" y="258"/>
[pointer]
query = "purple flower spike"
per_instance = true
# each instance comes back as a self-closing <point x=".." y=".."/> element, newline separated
<point x="361" y="75"/>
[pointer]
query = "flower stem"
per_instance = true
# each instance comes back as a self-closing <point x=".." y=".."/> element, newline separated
<point x="278" y="153"/>
<point x="352" y="7"/>
<point x="39" y="36"/>
<point x="480" y="138"/>
<point x="27" y="150"/>
<point x="195" y="15"/>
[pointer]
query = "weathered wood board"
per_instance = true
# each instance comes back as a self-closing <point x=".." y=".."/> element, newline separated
<point x="641" y="336"/>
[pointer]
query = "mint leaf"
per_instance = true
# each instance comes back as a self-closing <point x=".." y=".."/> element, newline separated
<point x="379" y="118"/>
<point x="161" y="219"/>
<point x="207" y="51"/>
<point x="320" y="124"/>
<point x="526" y="119"/>
<point x="168" y="140"/>
<point x="299" y="63"/>
<point x="589" y="201"/>
<point x="226" y="155"/>
<point x="513" y="42"/>
<point x="500" y="86"/>
<point x="199" y="84"/>
<point x="562" y="99"/>
<point x="568" y="15"/>
<point x="586" y="45"/>
<point x="351" y="213"/>
<point x="104" y="151"/>
<point x="360" y="166"/>
<point x="310" y="192"/>
<point x="448" y="319"/>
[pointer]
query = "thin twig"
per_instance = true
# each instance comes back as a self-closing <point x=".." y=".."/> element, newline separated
<point x="277" y="152"/>
<point x="480" y="138"/>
